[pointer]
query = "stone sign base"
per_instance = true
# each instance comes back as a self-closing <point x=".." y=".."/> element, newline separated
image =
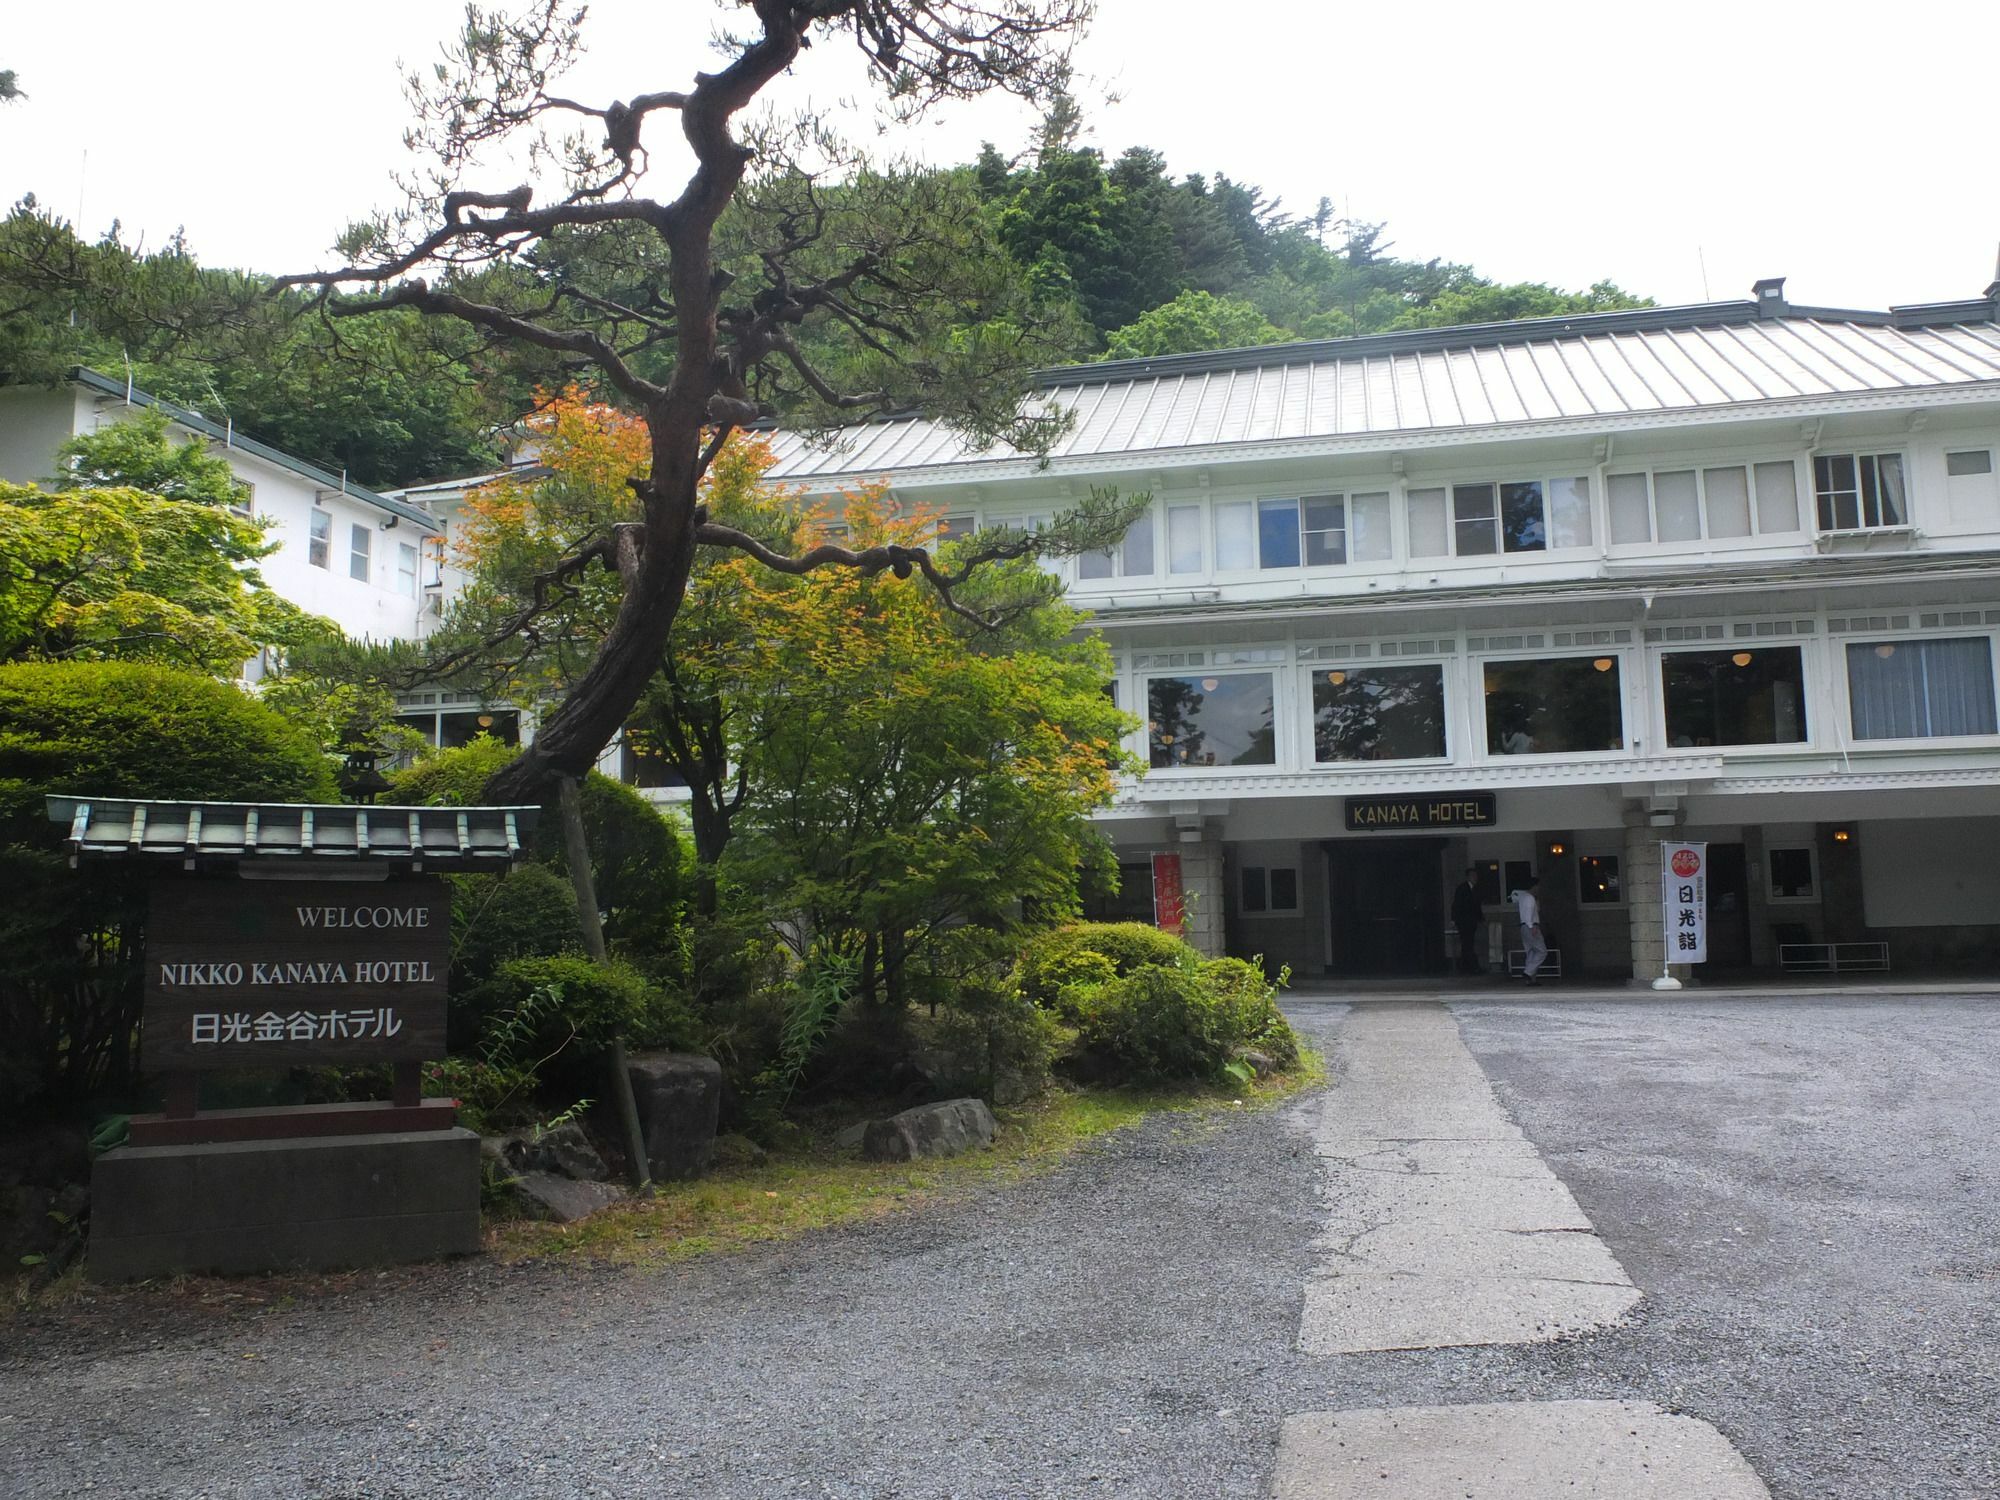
<point x="325" y="1203"/>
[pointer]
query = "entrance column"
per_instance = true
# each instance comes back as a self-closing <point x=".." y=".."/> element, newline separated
<point x="1642" y="893"/>
<point x="1202" y="894"/>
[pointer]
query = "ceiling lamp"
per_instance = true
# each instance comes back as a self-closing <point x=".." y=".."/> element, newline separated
<point x="1741" y="658"/>
<point x="1885" y="651"/>
<point x="1336" y="678"/>
<point x="1603" y="664"/>
<point x="1210" y="684"/>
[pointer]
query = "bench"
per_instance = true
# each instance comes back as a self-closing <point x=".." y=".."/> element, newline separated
<point x="1552" y="966"/>
<point x="1833" y="958"/>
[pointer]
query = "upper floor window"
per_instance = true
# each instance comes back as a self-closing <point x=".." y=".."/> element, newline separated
<point x="406" y="570"/>
<point x="1688" y="505"/>
<point x="319" y="546"/>
<point x="1912" y="690"/>
<point x="1378" y="713"/>
<point x="1857" y="491"/>
<point x="1487" y="519"/>
<point x="1229" y="719"/>
<point x="1131" y="558"/>
<point x="1314" y="531"/>
<point x="243" y="499"/>
<point x="1735" y="697"/>
<point x="357" y="552"/>
<point x="956" y="528"/>
<point x="1562" y="705"/>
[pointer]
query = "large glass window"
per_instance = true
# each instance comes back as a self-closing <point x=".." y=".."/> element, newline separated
<point x="1907" y="690"/>
<point x="1597" y="881"/>
<point x="1378" y="713"/>
<point x="1277" y="533"/>
<point x="1735" y="697"/>
<point x="1225" y="720"/>
<point x="1131" y="558"/>
<point x="1857" y="491"/>
<point x="1561" y="706"/>
<point x="1686" y="505"/>
<point x="1184" y="539"/>
<point x="1486" y="519"/>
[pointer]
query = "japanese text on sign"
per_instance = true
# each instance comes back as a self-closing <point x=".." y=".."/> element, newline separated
<point x="1684" y="898"/>
<point x="218" y="1027"/>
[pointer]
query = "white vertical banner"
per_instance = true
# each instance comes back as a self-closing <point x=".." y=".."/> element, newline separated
<point x="1684" y="895"/>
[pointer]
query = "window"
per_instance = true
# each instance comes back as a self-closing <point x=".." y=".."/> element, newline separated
<point x="1131" y="902"/>
<point x="643" y="765"/>
<point x="357" y="552"/>
<point x="406" y="570"/>
<point x="1483" y="520"/>
<point x="1859" y="491"/>
<point x="319" y="547"/>
<point x="1184" y="539"/>
<point x="1235" y="539"/>
<point x="956" y="528"/>
<point x="1562" y="706"/>
<point x="1908" y="690"/>
<point x="1794" y="874"/>
<point x="243" y="499"/>
<point x="1688" y="505"/>
<point x="1132" y="558"/>
<point x="1211" y="721"/>
<point x="1270" y="890"/>
<point x="1378" y="713"/>
<point x="1973" y="461"/>
<point x="1597" y="880"/>
<point x="1321" y="531"/>
<point x="455" y="729"/>
<point x="1735" y="697"/>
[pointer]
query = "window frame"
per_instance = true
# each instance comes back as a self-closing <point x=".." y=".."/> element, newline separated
<point x="1857" y="455"/>
<point x="1845" y="690"/>
<point x="1701" y="466"/>
<point x="1308" y="714"/>
<point x="361" y="549"/>
<point x="1770" y="873"/>
<point x="1498" y="481"/>
<point x="1280" y="711"/>
<point x="319" y="539"/>
<point x="1622" y="658"/>
<point x="1120" y="555"/>
<point x="1656" y="686"/>
<point x="1269" y="909"/>
<point x="1617" y="859"/>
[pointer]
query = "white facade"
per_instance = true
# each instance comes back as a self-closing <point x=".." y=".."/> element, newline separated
<point x="357" y="557"/>
<point x="1728" y="573"/>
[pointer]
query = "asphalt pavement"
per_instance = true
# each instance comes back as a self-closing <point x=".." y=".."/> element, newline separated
<point x="1803" y="1190"/>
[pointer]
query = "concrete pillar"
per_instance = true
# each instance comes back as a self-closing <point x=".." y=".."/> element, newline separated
<point x="1642" y="895"/>
<point x="1203" y="895"/>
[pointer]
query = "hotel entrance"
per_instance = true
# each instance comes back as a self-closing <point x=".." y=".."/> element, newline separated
<point x="1386" y="900"/>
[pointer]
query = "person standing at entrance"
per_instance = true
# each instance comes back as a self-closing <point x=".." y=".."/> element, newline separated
<point x="1530" y="911"/>
<point x="1466" y="915"/>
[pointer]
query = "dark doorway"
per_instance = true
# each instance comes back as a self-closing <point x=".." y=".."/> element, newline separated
<point x="1728" y="911"/>
<point x="1387" y="906"/>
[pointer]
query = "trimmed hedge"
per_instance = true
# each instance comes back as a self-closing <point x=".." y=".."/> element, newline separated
<point x="1049" y="963"/>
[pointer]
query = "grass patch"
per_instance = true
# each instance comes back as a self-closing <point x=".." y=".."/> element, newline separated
<point x="819" y="1186"/>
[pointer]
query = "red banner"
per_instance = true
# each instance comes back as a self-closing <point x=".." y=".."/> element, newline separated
<point x="1167" y="894"/>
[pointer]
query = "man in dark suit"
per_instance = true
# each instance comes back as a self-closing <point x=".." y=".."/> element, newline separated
<point x="1466" y="916"/>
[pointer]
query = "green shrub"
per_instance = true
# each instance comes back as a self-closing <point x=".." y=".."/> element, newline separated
<point x="1251" y="1001"/>
<point x="526" y="914"/>
<point x="1048" y="963"/>
<point x="70" y="985"/>
<point x="995" y="1041"/>
<point x="1180" y="1021"/>
<point x="638" y="859"/>
<point x="598" y="1003"/>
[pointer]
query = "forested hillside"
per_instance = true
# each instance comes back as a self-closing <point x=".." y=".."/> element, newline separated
<point x="1106" y="259"/>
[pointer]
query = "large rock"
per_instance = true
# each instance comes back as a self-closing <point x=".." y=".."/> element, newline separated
<point x="680" y="1100"/>
<point x="564" y="1199"/>
<point x="930" y="1130"/>
<point x="565" y="1151"/>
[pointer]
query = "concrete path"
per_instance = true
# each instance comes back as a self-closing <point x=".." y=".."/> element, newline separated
<point x="1607" y="1450"/>
<point x="1446" y="1228"/>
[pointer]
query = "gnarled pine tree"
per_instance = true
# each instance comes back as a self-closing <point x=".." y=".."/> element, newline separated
<point x="785" y="277"/>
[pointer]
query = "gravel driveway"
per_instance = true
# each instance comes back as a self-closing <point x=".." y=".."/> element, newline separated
<point x="1804" y="1190"/>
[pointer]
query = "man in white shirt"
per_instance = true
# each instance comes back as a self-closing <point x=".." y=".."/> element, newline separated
<point x="1530" y="912"/>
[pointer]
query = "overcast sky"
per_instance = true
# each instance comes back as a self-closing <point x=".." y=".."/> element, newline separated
<point x="1845" y="145"/>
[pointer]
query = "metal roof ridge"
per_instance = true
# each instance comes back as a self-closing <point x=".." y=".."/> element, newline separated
<point x="91" y="379"/>
<point x="1516" y="331"/>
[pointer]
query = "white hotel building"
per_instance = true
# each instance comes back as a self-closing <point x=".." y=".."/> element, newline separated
<point x="1727" y="573"/>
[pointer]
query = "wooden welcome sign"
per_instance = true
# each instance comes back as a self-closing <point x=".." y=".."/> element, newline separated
<point x="295" y="973"/>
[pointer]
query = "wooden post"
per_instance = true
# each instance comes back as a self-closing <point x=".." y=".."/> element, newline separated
<point x="576" y="850"/>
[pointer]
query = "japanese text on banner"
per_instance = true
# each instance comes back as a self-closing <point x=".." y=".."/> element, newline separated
<point x="1684" y="901"/>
